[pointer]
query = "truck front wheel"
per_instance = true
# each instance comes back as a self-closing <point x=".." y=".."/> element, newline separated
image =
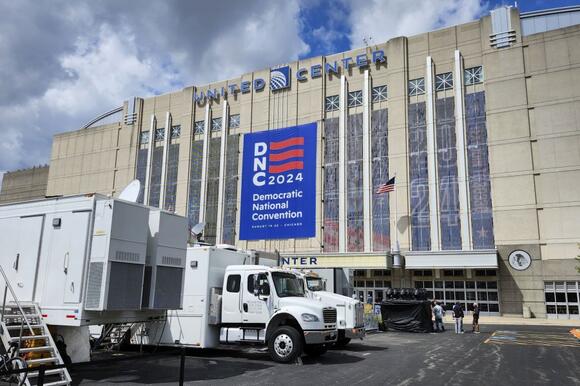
<point x="285" y="345"/>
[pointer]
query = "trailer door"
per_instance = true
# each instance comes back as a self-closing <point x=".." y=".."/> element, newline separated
<point x="23" y="270"/>
<point x="78" y="224"/>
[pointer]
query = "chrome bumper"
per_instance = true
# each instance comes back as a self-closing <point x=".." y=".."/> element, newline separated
<point x="320" y="336"/>
<point x="355" y="333"/>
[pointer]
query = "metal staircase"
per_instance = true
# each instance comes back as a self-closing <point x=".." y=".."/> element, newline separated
<point x="22" y="323"/>
<point x="113" y="336"/>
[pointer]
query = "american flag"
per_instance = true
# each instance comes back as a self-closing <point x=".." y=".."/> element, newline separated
<point x="388" y="187"/>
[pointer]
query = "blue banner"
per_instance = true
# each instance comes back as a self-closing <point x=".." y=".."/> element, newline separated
<point x="279" y="184"/>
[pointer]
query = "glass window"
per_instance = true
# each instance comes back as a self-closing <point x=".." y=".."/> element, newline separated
<point x="492" y="296"/>
<point x="483" y="307"/>
<point x="355" y="98"/>
<point x="560" y="297"/>
<point x="493" y="307"/>
<point x="444" y="81"/>
<point x="492" y="284"/>
<point x="379" y="93"/>
<point x="573" y="310"/>
<point x="572" y="297"/>
<point x="481" y="285"/>
<point x="550" y="309"/>
<point x="370" y="283"/>
<point x="251" y="282"/>
<point x="359" y="272"/>
<point x="482" y="296"/>
<point x="460" y="295"/>
<point x="418" y="273"/>
<point x="378" y="296"/>
<point x="234" y="121"/>
<point x="288" y="284"/>
<point x="439" y="295"/>
<point x="473" y="75"/>
<point x="459" y="284"/>
<point x="159" y="134"/>
<point x="332" y="103"/>
<point x="419" y="284"/>
<point x="561" y="310"/>
<point x="199" y="127"/>
<point x="470" y="295"/>
<point x="233" y="283"/>
<point x="550" y="297"/>
<point x="378" y="283"/>
<point x="216" y="124"/>
<point x="449" y="296"/>
<point x="469" y="284"/>
<point x="144" y="138"/>
<point x="417" y="86"/>
<point x="427" y="272"/>
<point x="449" y="284"/>
<point x="359" y="283"/>
<point x="387" y="284"/>
<point x="438" y="284"/>
<point x="175" y="131"/>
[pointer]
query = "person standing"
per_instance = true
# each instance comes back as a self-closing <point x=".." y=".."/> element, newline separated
<point x="475" y="318"/>
<point x="458" y="315"/>
<point x="438" y="313"/>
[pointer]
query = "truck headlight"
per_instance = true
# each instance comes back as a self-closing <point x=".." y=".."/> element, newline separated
<point x="309" y="318"/>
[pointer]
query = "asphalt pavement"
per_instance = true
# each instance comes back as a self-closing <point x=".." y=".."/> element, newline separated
<point x="500" y="355"/>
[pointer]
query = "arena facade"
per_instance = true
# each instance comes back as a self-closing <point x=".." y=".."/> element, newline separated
<point x="479" y="124"/>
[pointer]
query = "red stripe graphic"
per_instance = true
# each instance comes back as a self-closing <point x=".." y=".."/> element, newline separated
<point x="287" y="143"/>
<point x="287" y="154"/>
<point x="285" y="167"/>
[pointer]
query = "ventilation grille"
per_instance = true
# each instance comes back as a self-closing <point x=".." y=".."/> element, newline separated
<point x="125" y="286"/>
<point x="168" y="260"/>
<point x="168" y="282"/>
<point x="93" y="299"/>
<point x="127" y="256"/>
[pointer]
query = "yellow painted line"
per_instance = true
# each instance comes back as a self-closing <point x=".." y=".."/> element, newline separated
<point x="492" y="335"/>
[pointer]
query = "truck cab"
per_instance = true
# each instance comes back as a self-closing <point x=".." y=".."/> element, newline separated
<point x="350" y="312"/>
<point x="261" y="304"/>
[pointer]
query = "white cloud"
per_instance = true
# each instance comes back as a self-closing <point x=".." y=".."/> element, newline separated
<point x="76" y="60"/>
<point x="385" y="19"/>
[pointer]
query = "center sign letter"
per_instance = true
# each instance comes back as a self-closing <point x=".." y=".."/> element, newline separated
<point x="279" y="184"/>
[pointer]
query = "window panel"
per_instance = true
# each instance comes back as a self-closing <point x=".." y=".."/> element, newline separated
<point x="159" y="134"/>
<point x="234" y="121"/>
<point x="199" y="127"/>
<point x="444" y="81"/>
<point x="175" y="131"/>
<point x="216" y="124"/>
<point x="355" y="98"/>
<point x="417" y="86"/>
<point x="331" y="192"/>
<point x="380" y="175"/>
<point x="379" y="93"/>
<point x="473" y="75"/>
<point x="144" y="138"/>
<point x="332" y="103"/>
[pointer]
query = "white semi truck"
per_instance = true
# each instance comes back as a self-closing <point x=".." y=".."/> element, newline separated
<point x="228" y="300"/>
<point x="350" y="312"/>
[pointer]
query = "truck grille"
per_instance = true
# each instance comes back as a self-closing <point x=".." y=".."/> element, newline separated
<point x="329" y="315"/>
<point x="359" y="315"/>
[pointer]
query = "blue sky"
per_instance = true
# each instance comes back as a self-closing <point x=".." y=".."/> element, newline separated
<point x="101" y="53"/>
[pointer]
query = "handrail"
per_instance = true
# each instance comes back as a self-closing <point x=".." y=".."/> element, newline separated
<point x="15" y="300"/>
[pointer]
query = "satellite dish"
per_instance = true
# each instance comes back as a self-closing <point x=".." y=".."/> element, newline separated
<point x="197" y="229"/>
<point x="131" y="191"/>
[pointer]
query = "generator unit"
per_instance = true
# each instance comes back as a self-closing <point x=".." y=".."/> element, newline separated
<point x="117" y="256"/>
<point x="165" y="263"/>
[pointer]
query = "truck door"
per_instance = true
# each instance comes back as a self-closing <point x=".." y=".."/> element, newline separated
<point x="255" y="309"/>
<point x="231" y="298"/>
<point x="74" y="257"/>
<point x="22" y="270"/>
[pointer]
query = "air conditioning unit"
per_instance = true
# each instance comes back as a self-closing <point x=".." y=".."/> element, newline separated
<point x="165" y="263"/>
<point x="117" y="256"/>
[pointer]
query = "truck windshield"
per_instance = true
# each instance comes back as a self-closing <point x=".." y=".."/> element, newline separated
<point x="315" y="284"/>
<point x="287" y="284"/>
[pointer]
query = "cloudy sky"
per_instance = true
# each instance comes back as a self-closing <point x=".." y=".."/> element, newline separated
<point x="64" y="62"/>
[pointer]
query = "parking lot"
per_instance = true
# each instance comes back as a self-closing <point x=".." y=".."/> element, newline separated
<point x="500" y="355"/>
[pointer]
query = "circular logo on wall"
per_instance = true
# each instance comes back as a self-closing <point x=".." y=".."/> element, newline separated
<point x="520" y="260"/>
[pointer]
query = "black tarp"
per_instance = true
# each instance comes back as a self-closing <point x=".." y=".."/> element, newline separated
<point x="407" y="315"/>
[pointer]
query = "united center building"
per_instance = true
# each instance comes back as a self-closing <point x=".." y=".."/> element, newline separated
<point x="479" y="124"/>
